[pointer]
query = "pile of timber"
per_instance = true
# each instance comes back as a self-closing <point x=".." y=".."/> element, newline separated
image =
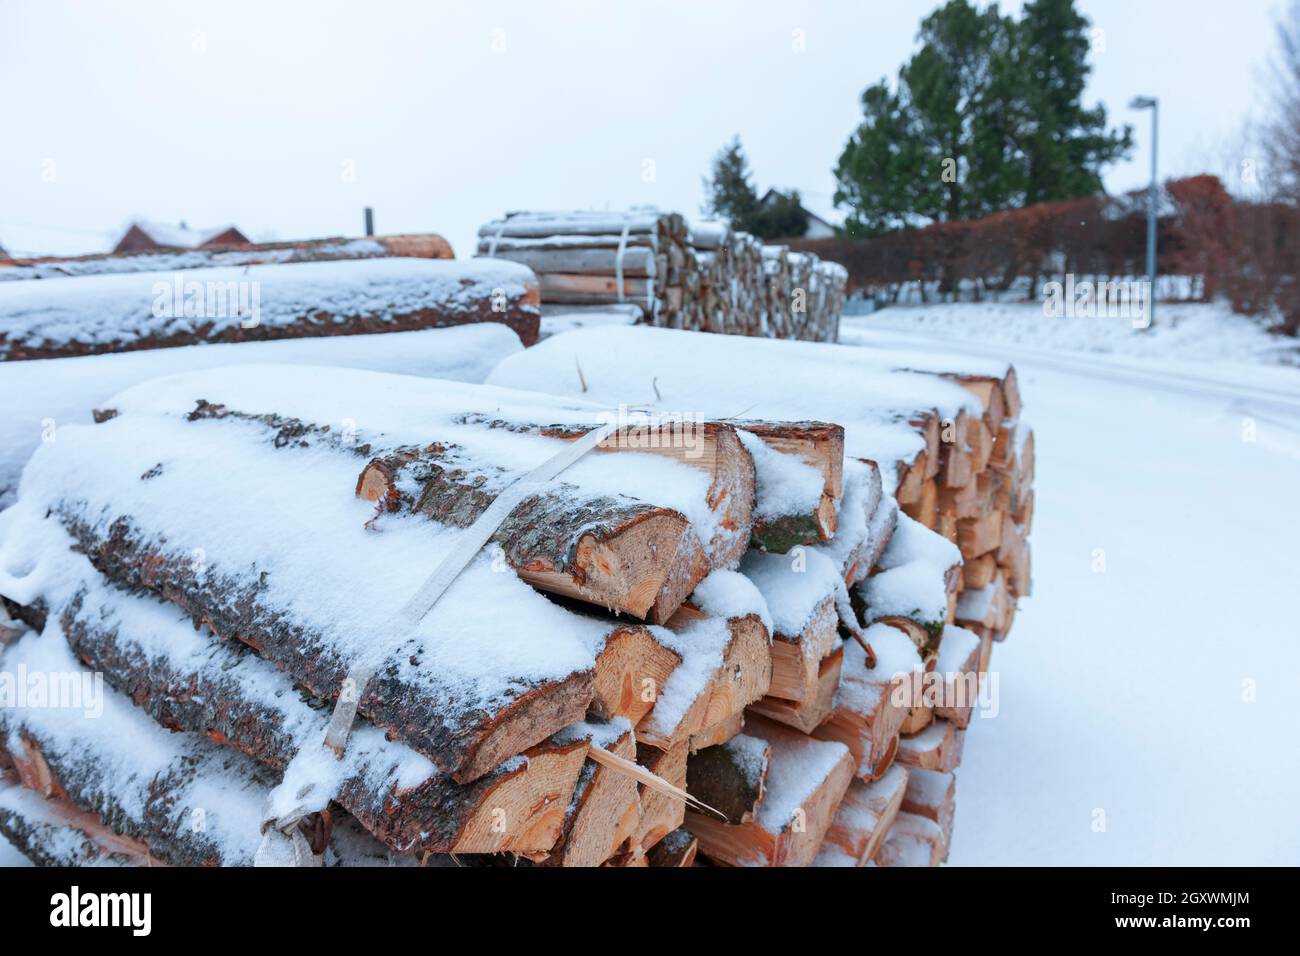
<point x="415" y="245"/>
<point x="933" y="503"/>
<point x="95" y="314"/>
<point x="729" y="605"/>
<point x="702" y="276"/>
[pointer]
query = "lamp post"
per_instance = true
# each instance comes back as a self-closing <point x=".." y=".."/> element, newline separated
<point x="1151" y="103"/>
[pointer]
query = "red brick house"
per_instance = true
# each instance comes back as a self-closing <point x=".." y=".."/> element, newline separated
<point x="148" y="236"/>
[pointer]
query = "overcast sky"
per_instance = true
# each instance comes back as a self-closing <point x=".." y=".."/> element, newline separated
<point x="287" y="118"/>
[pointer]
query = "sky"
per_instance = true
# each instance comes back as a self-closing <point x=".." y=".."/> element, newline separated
<point x="288" y="118"/>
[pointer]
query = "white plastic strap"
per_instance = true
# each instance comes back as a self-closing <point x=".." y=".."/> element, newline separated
<point x="496" y="237"/>
<point x="618" y="258"/>
<point x="467" y="545"/>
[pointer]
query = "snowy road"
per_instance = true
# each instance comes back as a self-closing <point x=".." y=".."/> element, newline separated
<point x="1150" y="710"/>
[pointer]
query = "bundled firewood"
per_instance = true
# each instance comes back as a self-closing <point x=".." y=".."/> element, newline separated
<point x="928" y="536"/>
<point x="697" y="277"/>
<point x="415" y="245"/>
<point x="93" y="314"/>
<point x="792" y="664"/>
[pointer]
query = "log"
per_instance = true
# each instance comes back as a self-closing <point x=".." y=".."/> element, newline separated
<point x="96" y="314"/>
<point x="731" y="777"/>
<point x="191" y="802"/>
<point x="676" y="849"/>
<point x="606" y="807"/>
<point x="51" y="831"/>
<point x="806" y="780"/>
<point x="934" y="796"/>
<point x="711" y="447"/>
<point x="423" y="709"/>
<point x="977" y="536"/>
<point x="631" y="669"/>
<point x="818" y="445"/>
<point x="978" y="572"/>
<point x="865" y="815"/>
<point x="189" y="681"/>
<point x="806" y="715"/>
<point x="419" y="246"/>
<point x="797" y="659"/>
<point x="871" y="705"/>
<point x="661" y="813"/>
<point x="726" y="665"/>
<point x="913" y="841"/>
<point x="719" y="733"/>
<point x="938" y="747"/>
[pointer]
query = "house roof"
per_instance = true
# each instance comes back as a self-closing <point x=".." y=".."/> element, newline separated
<point x="825" y="216"/>
<point x="179" y="235"/>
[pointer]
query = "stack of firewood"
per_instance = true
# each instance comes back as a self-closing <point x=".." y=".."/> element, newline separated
<point x="701" y="276"/>
<point x="723" y="598"/>
<point x="306" y="290"/>
<point x="933" y="504"/>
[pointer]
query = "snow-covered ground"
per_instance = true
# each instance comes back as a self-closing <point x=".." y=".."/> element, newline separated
<point x="1150" y="688"/>
<point x="1191" y="332"/>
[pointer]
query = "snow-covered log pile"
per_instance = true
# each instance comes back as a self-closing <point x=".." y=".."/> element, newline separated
<point x="788" y="646"/>
<point x="415" y="245"/>
<point x="700" y="276"/>
<point x="93" y="314"/>
<point x="843" y="763"/>
<point x="41" y="397"/>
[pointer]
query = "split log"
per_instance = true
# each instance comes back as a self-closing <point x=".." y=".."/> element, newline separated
<point x="189" y="681"/>
<point x="676" y="849"/>
<point x="731" y="777"/>
<point x="978" y="572"/>
<point x="726" y="665"/>
<point x="871" y="705"/>
<point x="805" y="715"/>
<point x="977" y="536"/>
<point x="934" y="796"/>
<point x="797" y="658"/>
<point x="806" y="780"/>
<point x="631" y="669"/>
<point x="719" y="733"/>
<point x="661" y="813"/>
<point x="913" y="841"/>
<point x="819" y="446"/>
<point x="938" y="747"/>
<point x="865" y="815"/>
<point x="711" y="447"/>
<point x="605" y="808"/>
<point x="986" y="607"/>
<point x="959" y="668"/>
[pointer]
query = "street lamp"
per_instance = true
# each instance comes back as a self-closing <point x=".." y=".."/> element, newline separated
<point x="1152" y="104"/>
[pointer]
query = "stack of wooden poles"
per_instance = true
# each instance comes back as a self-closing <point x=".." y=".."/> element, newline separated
<point x="701" y="276"/>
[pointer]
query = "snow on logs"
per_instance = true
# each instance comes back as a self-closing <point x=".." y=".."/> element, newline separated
<point x="413" y="245"/>
<point x="733" y="670"/>
<point x="701" y="277"/>
<point x="93" y="314"/>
